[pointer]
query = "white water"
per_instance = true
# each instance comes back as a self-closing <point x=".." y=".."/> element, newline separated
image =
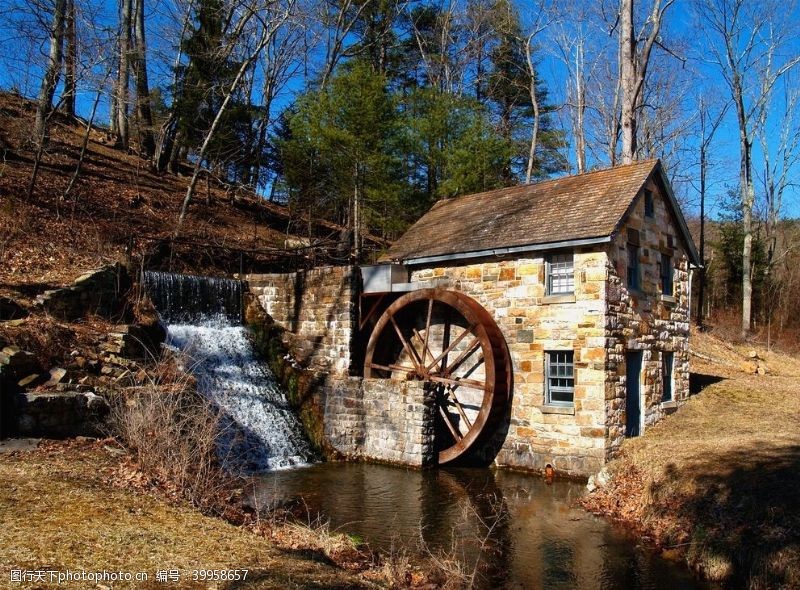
<point x="260" y="430"/>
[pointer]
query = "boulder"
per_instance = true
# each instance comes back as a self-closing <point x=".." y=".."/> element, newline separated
<point x="57" y="375"/>
<point x="11" y="310"/>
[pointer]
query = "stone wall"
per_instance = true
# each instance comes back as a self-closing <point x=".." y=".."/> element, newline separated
<point x="380" y="420"/>
<point x="572" y="440"/>
<point x="61" y="414"/>
<point x="646" y="320"/>
<point x="317" y="309"/>
<point x="96" y="292"/>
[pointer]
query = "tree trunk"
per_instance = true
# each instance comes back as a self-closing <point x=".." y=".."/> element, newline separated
<point x="147" y="146"/>
<point x="535" y="104"/>
<point x="580" y="111"/>
<point x="124" y="73"/>
<point x="702" y="285"/>
<point x="356" y="218"/>
<point x="70" y="61"/>
<point x="84" y="145"/>
<point x="51" y="75"/>
<point x="628" y="84"/>
<point x="167" y="136"/>
<point x="748" y="198"/>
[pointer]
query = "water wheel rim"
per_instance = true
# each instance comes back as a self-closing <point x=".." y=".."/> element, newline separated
<point x="496" y="360"/>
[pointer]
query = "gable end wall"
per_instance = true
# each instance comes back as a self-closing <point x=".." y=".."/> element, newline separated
<point x="645" y="320"/>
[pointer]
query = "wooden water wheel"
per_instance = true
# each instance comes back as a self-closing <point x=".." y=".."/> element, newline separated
<point x="450" y="342"/>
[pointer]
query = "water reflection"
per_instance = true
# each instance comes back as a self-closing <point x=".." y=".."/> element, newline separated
<point x="514" y="529"/>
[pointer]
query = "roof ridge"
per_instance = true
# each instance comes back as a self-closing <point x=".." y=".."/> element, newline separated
<point x="521" y="186"/>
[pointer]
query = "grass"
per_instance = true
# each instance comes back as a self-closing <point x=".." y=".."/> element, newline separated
<point x="719" y="481"/>
<point x="61" y="510"/>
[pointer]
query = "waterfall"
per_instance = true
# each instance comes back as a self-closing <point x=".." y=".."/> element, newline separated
<point x="260" y="431"/>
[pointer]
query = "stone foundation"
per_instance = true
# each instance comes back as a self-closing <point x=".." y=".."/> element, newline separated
<point x="380" y="420"/>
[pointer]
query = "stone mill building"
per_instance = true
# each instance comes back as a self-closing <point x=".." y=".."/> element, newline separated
<point x="527" y="326"/>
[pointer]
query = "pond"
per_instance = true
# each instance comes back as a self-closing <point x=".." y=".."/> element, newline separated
<point x="518" y="530"/>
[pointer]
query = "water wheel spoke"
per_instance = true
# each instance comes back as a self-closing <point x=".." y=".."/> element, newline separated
<point x="450" y="426"/>
<point x="462" y="357"/>
<point x="458" y="382"/>
<point x="459" y="407"/>
<point x="392" y="368"/>
<point x="428" y="325"/>
<point x="408" y="348"/>
<point x="452" y="345"/>
<point x="469" y="371"/>
<point x="425" y="351"/>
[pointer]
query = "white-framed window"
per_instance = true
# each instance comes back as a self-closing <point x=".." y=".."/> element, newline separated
<point x="560" y="274"/>
<point x="559" y="379"/>
<point x="667" y="364"/>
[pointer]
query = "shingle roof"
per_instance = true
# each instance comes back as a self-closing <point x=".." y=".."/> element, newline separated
<point x="571" y="208"/>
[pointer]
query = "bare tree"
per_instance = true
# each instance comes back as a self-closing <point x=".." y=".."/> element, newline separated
<point x="165" y="139"/>
<point x="52" y="72"/>
<point x="708" y="126"/>
<point x="339" y="18"/>
<point x="635" y="52"/>
<point x="70" y="60"/>
<point x="748" y="41"/>
<point x="782" y="141"/>
<point x="539" y="25"/>
<point x="123" y="79"/>
<point x="144" y="115"/>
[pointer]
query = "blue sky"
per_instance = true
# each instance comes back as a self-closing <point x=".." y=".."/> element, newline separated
<point x="694" y="77"/>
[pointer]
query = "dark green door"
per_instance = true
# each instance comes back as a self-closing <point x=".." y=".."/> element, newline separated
<point x="633" y="408"/>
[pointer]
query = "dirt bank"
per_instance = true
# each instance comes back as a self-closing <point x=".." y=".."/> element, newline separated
<point x="718" y="483"/>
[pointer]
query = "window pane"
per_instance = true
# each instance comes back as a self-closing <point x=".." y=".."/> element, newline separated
<point x="560" y="274"/>
<point x="560" y="383"/>
<point x="633" y="266"/>
<point x="666" y="274"/>
<point x="667" y="361"/>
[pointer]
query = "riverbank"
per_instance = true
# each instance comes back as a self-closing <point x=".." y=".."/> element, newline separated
<point x="65" y="507"/>
<point x="718" y="483"/>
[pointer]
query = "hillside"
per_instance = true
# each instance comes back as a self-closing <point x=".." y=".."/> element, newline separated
<point x="120" y="208"/>
<point x="717" y="483"/>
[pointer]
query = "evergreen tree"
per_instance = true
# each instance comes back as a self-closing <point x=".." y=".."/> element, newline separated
<point x="449" y="146"/>
<point x="202" y="84"/>
<point x="508" y="90"/>
<point x="344" y="135"/>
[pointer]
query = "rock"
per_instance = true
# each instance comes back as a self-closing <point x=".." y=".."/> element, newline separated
<point x="749" y="367"/>
<point x="30" y="380"/>
<point x="598" y="480"/>
<point x="11" y="310"/>
<point x="57" y="375"/>
<point x="95" y="292"/>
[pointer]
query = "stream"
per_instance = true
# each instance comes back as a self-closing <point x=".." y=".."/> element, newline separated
<point x="515" y="530"/>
